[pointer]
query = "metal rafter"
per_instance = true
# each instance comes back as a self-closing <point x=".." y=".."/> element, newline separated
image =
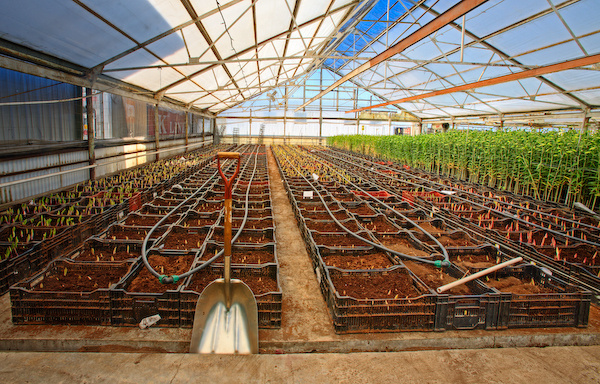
<point x="249" y="49"/>
<point x="439" y="22"/>
<point x="562" y="66"/>
<point x="190" y="10"/>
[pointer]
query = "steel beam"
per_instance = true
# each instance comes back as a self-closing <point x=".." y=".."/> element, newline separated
<point x="563" y="66"/>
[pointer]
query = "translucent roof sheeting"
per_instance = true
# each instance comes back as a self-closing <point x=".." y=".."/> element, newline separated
<point x="262" y="55"/>
<point x="206" y="54"/>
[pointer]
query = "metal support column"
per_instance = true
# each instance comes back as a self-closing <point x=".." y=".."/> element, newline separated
<point x="187" y="118"/>
<point x="320" y="107"/>
<point x="285" y="114"/>
<point x="156" y="131"/>
<point x="91" y="131"/>
<point x="203" y="129"/>
<point x="250" y="129"/>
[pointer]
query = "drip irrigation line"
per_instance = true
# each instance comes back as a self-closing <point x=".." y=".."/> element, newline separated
<point x="437" y="263"/>
<point x="174" y="278"/>
<point x="508" y="215"/>
<point x="237" y="234"/>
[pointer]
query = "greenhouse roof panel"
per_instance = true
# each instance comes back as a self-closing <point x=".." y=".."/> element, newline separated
<point x="188" y="51"/>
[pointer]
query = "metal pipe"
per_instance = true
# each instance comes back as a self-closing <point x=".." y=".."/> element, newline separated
<point x="462" y="39"/>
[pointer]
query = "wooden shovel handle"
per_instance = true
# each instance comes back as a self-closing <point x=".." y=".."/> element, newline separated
<point x="228" y="181"/>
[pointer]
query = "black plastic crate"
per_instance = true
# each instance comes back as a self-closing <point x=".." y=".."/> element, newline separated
<point x="269" y="303"/>
<point x="567" y="306"/>
<point x="129" y="307"/>
<point x="360" y="315"/>
<point x="64" y="307"/>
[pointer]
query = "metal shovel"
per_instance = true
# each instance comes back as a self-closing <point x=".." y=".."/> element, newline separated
<point x="226" y="319"/>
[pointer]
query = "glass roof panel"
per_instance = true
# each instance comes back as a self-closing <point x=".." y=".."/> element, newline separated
<point x="62" y="29"/>
<point x="540" y="32"/>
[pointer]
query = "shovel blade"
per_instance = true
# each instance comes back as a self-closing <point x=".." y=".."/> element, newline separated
<point x="221" y="330"/>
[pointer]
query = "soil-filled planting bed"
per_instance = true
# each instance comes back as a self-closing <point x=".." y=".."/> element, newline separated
<point x="340" y="240"/>
<point x="123" y="233"/>
<point x="241" y="255"/>
<point x="185" y="239"/>
<point x="435" y="277"/>
<point x="326" y="226"/>
<point x="258" y="284"/>
<point x="252" y="224"/>
<point x="148" y="221"/>
<point x="93" y="254"/>
<point x="402" y="245"/>
<point x="375" y="286"/>
<point x="165" y="265"/>
<point x="379" y="224"/>
<point x="377" y="260"/>
<point x="245" y="237"/>
<point x="474" y="261"/>
<point x="253" y="213"/>
<point x="198" y="222"/>
<point x="516" y="285"/>
<point x="61" y="279"/>
<point x="340" y="215"/>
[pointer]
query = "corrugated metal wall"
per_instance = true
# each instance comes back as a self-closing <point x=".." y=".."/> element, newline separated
<point x="45" y="122"/>
<point x="115" y="117"/>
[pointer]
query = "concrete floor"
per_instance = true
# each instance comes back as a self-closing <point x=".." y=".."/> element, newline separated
<point x="571" y="354"/>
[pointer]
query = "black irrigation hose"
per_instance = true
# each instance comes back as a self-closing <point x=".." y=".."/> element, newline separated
<point x="165" y="279"/>
<point x="513" y="206"/>
<point x="437" y="263"/>
<point x="508" y="215"/>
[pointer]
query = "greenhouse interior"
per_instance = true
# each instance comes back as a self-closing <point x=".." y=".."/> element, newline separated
<point x="300" y="191"/>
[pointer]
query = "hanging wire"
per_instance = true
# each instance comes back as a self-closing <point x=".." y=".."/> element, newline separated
<point x="231" y="43"/>
<point x="12" y="103"/>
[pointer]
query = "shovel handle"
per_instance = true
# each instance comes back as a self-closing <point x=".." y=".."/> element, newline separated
<point x="228" y="181"/>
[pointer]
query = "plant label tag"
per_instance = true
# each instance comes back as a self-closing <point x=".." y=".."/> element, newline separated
<point x="307" y="194"/>
<point x="318" y="275"/>
<point x="120" y="215"/>
<point x="154" y="194"/>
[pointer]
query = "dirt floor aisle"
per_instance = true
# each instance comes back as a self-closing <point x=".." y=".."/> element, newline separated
<point x="305" y="315"/>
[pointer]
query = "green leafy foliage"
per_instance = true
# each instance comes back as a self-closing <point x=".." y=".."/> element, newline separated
<point x="553" y="166"/>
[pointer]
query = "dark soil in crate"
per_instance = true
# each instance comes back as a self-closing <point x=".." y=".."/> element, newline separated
<point x="198" y="222"/>
<point x="258" y="284"/>
<point x="245" y="237"/>
<point x="339" y="240"/>
<point x="362" y="210"/>
<point x="241" y="255"/>
<point x="379" y="224"/>
<point x="252" y="224"/>
<point x="159" y="202"/>
<point x="165" y="265"/>
<point x="474" y="261"/>
<point x="580" y="253"/>
<point x="515" y="285"/>
<point x="209" y="206"/>
<point x="401" y="245"/>
<point x="435" y="277"/>
<point x="331" y="226"/>
<point x="123" y="233"/>
<point x="427" y="226"/>
<point x="61" y="279"/>
<point x="367" y="261"/>
<point x="253" y="213"/>
<point x="184" y="240"/>
<point x="340" y="215"/>
<point x="148" y="220"/>
<point x="92" y="254"/>
<point x="379" y="286"/>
